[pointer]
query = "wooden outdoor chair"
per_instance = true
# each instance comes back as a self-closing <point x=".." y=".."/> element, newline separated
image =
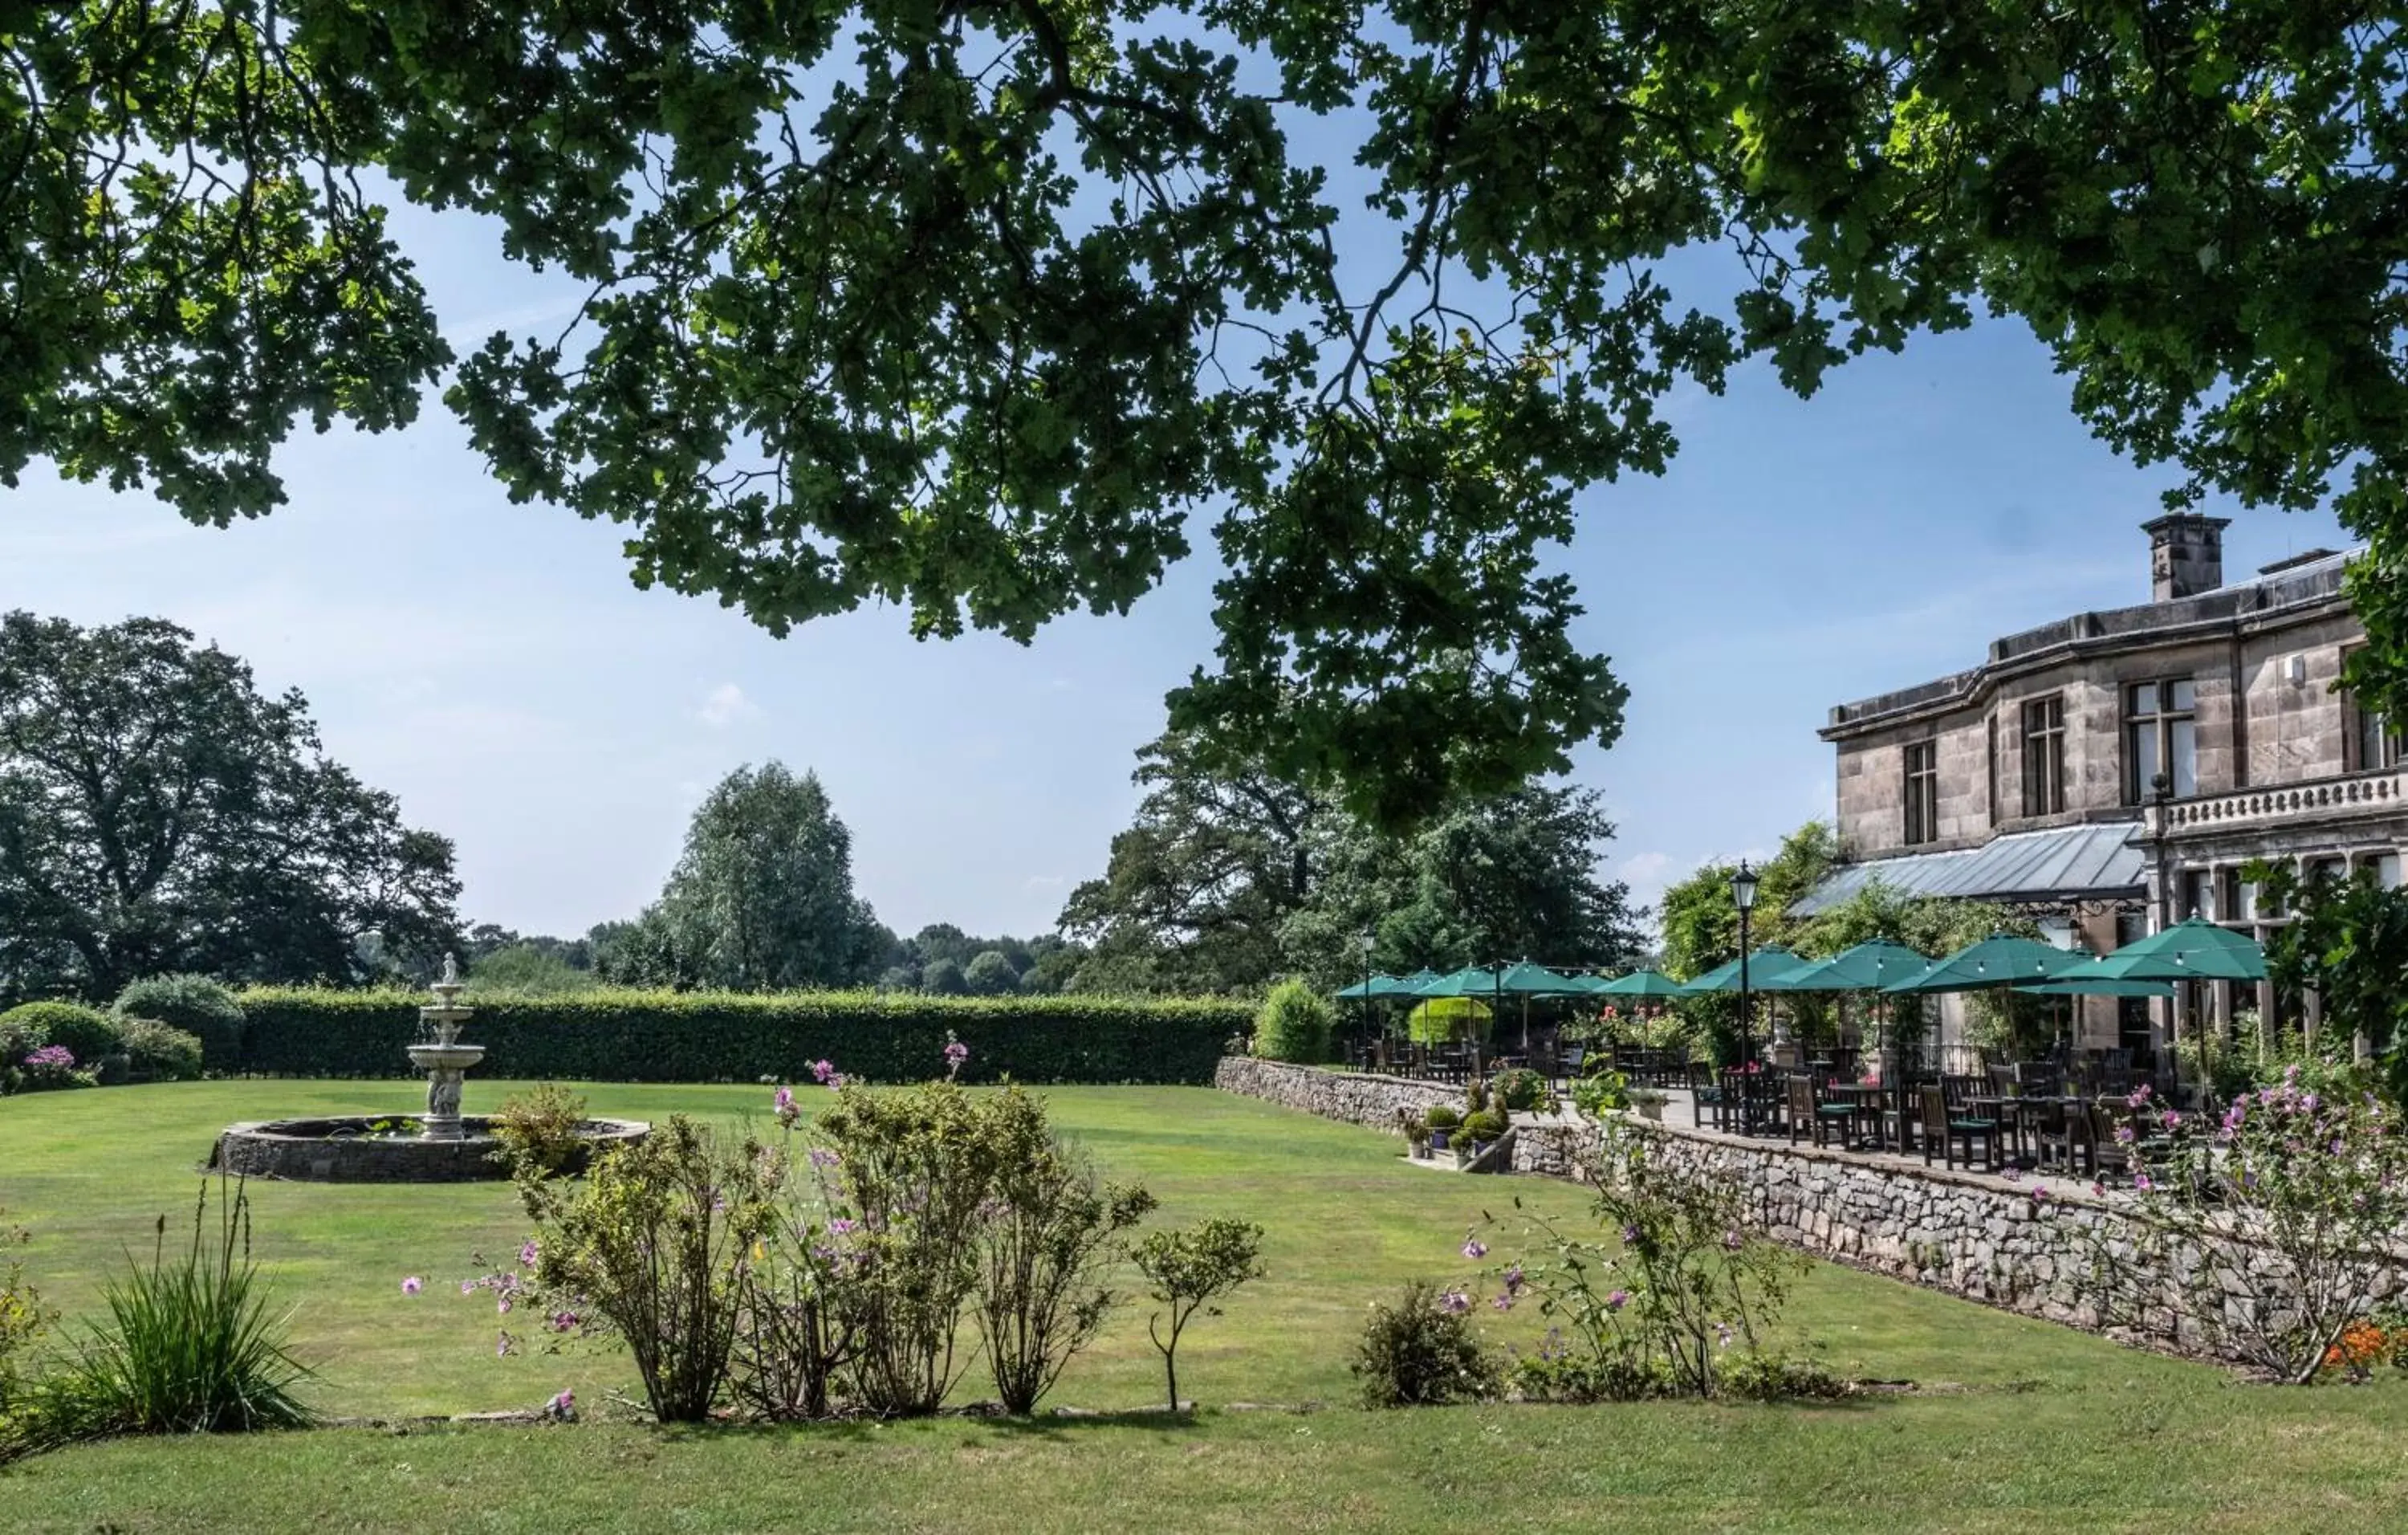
<point x="1952" y="1127"/>
<point x="1811" y="1113"/>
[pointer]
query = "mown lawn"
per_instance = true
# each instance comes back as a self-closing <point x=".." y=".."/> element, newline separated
<point x="2014" y="1423"/>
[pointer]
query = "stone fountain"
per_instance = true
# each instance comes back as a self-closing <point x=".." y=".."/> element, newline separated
<point x="439" y="1146"/>
<point x="447" y="1061"/>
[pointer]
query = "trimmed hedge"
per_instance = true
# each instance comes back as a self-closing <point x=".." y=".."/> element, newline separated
<point x="642" y="1036"/>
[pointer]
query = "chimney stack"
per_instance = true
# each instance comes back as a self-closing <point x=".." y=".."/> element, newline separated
<point x="2186" y="555"/>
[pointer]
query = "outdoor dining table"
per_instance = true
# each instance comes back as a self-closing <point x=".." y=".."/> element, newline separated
<point x="1865" y="1096"/>
<point x="2024" y="1117"/>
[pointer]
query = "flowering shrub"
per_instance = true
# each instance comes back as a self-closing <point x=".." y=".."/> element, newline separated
<point x="2364" y="1344"/>
<point x="53" y="1066"/>
<point x="812" y="1276"/>
<point x="2278" y="1222"/>
<point x="655" y="1246"/>
<point x="537" y="1129"/>
<point x="1047" y="1239"/>
<point x="24" y="1319"/>
<point x="1421" y="1351"/>
<point x="1661" y="1307"/>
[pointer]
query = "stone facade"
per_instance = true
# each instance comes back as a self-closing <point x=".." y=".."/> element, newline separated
<point x="1354" y="1097"/>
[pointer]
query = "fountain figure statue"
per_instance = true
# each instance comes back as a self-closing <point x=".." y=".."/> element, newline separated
<point x="446" y="1060"/>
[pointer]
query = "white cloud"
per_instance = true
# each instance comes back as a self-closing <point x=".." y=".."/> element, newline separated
<point x="726" y="705"/>
<point x="1643" y="868"/>
<point x="1046" y="881"/>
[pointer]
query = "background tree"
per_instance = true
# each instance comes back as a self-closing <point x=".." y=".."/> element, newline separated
<point x="943" y="978"/>
<point x="762" y="899"/>
<point x="159" y="814"/>
<point x="1229" y="880"/>
<point x="991" y="974"/>
<point x="1196" y="891"/>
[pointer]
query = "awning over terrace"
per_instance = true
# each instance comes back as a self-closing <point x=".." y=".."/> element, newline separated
<point x="2091" y="862"/>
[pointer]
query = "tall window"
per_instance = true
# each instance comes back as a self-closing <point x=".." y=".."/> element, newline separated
<point x="1922" y="791"/>
<point x="2374" y="739"/>
<point x="2160" y="737"/>
<point x="2044" y="755"/>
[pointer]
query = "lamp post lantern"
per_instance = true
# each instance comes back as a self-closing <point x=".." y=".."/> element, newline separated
<point x="1367" y="942"/>
<point x="1744" y="895"/>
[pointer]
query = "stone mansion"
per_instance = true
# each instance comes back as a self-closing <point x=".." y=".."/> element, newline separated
<point x="2112" y="771"/>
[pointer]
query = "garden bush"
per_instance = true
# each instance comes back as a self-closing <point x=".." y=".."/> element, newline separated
<point x="197" y="1005"/>
<point x="1295" y="1025"/>
<point x="1520" y="1088"/>
<point x="22" y="1320"/>
<point x="86" y="1033"/>
<point x="1488" y="1125"/>
<point x="537" y="1129"/>
<point x="652" y="1246"/>
<point x="1421" y="1351"/>
<point x="1048" y="1239"/>
<point x="1443" y="1116"/>
<point x="1188" y="1271"/>
<point x="159" y="1051"/>
<point x="658" y="1036"/>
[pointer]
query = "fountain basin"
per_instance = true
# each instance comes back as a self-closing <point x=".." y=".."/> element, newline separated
<point x="387" y="1149"/>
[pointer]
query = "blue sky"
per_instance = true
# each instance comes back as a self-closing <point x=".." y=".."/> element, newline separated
<point x="493" y="666"/>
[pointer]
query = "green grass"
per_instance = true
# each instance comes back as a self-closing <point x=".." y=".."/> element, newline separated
<point x="2016" y="1422"/>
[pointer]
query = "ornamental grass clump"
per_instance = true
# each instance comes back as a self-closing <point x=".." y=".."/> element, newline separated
<point x="2262" y="1234"/>
<point x="189" y="1344"/>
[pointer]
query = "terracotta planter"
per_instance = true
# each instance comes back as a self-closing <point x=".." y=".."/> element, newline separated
<point x="1651" y="1111"/>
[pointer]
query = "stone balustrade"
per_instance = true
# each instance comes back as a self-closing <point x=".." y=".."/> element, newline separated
<point x="2274" y="803"/>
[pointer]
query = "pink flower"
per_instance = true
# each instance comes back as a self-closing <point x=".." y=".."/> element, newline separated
<point x="412" y="1286"/>
<point x="1733" y="1241"/>
<point x="2169" y="1119"/>
<point x="1616" y="1300"/>
<point x="842" y="1228"/>
<point x="821" y="1070"/>
<point x="527" y="1253"/>
<point x="1474" y="1249"/>
<point x="504" y="1345"/>
<point x="2039" y="1193"/>
<point x="467" y="1286"/>
<point x="2141" y="1182"/>
<point x="1453" y="1302"/>
<point x="822" y="1157"/>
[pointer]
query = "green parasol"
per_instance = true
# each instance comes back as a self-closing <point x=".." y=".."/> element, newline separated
<point x="1762" y="965"/>
<point x="1638" y="983"/>
<point x="2191" y="950"/>
<point x="1999" y="960"/>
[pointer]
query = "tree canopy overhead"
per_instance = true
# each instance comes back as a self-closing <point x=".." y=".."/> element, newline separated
<point x="970" y="305"/>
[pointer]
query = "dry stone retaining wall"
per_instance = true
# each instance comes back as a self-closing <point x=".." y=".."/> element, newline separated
<point x="1983" y="1238"/>
<point x="1355" y="1096"/>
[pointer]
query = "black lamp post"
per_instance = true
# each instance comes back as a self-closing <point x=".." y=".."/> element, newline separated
<point x="1368" y="940"/>
<point x="1743" y="894"/>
